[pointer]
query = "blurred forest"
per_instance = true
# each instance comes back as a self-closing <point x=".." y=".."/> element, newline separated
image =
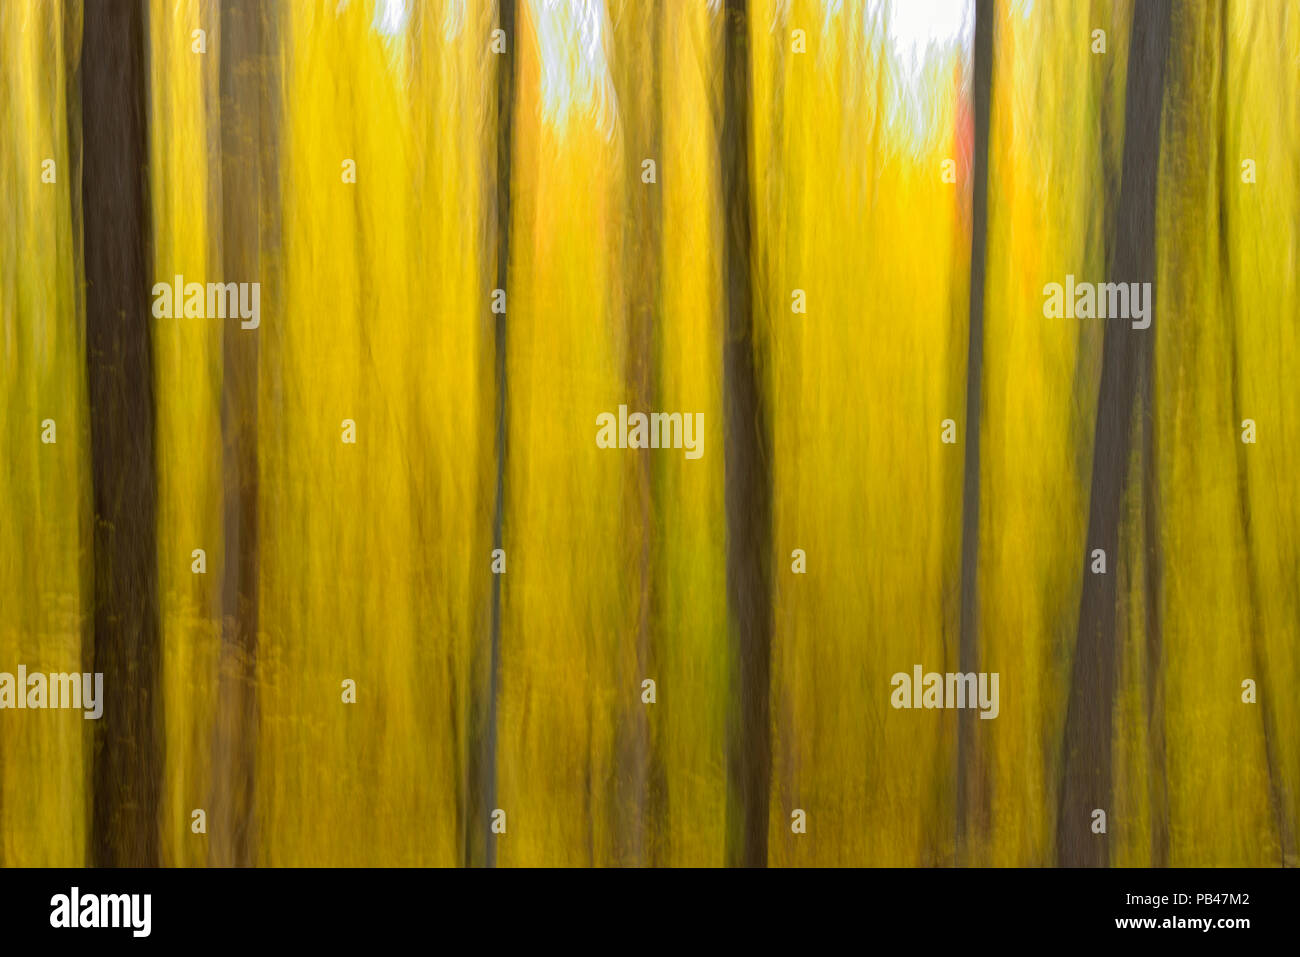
<point x="918" y="171"/>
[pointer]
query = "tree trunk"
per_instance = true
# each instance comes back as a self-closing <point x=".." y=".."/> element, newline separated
<point x="638" y="786"/>
<point x="1086" y="763"/>
<point x="748" y="481"/>
<point x="968" y="650"/>
<point x="243" y="95"/>
<point x="483" y="767"/>
<point x="118" y="261"/>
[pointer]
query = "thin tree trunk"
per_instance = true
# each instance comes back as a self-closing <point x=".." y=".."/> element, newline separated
<point x="116" y="220"/>
<point x="243" y="92"/>
<point x="1158" y="789"/>
<point x="480" y="844"/>
<point x="968" y="650"/>
<point x="1086" y="762"/>
<point x="73" y="27"/>
<point x="638" y="792"/>
<point x="748" y="482"/>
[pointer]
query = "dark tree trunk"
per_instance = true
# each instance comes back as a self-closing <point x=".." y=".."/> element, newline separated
<point x="1153" y="583"/>
<point x="480" y="844"/>
<point x="748" y="482"/>
<point x="1086" y="761"/>
<point x="243" y="95"/>
<point x="638" y="790"/>
<point x="118" y="262"/>
<point x="968" y="650"/>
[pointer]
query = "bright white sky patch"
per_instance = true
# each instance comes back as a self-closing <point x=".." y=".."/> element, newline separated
<point x="390" y="17"/>
<point x="915" y="25"/>
<point x="922" y="34"/>
<point x="572" y="37"/>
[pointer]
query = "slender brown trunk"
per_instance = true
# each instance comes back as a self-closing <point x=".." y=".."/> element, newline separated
<point x="1153" y="581"/>
<point x="968" y="649"/>
<point x="480" y="844"/>
<point x="638" y="788"/>
<point x="116" y="220"/>
<point x="243" y="92"/>
<point x="1086" y="763"/>
<point x="73" y="25"/>
<point x="748" y="482"/>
